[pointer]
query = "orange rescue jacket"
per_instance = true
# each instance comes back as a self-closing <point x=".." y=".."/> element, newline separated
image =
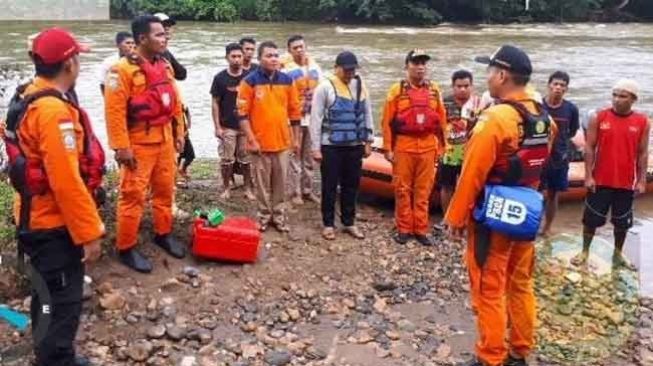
<point x="51" y="132"/>
<point x="494" y="140"/>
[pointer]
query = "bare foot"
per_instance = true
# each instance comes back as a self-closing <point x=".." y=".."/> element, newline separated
<point x="297" y="201"/>
<point x="580" y="259"/>
<point x="311" y="197"/>
<point x="355" y="232"/>
<point x="249" y="195"/>
<point x="225" y="195"/>
<point x="619" y="261"/>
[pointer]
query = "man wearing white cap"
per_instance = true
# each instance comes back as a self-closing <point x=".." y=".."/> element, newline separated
<point x="179" y="69"/>
<point x="616" y="160"/>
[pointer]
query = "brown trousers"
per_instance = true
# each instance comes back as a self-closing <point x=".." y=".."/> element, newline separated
<point x="270" y="175"/>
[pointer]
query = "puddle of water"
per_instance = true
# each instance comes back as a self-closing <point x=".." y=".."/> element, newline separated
<point x="638" y="248"/>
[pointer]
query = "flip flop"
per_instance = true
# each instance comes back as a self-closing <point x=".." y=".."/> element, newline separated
<point x="355" y="232"/>
<point x="329" y="233"/>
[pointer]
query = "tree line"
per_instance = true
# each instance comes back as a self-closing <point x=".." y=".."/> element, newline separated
<point x="413" y="12"/>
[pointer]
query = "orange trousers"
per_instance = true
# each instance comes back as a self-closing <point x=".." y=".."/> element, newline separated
<point x="414" y="175"/>
<point x="155" y="174"/>
<point x="502" y="297"/>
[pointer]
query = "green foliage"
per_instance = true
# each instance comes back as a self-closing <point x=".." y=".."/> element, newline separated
<point x="7" y="228"/>
<point x="415" y="12"/>
<point x="218" y="10"/>
<point x="269" y="10"/>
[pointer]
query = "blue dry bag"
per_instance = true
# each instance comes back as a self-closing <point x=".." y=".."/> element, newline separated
<point x="511" y="210"/>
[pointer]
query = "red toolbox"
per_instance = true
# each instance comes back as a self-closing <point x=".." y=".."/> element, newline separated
<point x="236" y="239"/>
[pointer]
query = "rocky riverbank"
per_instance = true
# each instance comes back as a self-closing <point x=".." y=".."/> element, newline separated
<point x="312" y="302"/>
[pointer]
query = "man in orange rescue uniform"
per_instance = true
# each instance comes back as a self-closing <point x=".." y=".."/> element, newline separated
<point x="56" y="164"/>
<point x="144" y="126"/>
<point x="512" y="136"/>
<point x="414" y="119"/>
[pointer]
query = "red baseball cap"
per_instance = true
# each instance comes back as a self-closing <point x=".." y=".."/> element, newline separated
<point x="55" y="45"/>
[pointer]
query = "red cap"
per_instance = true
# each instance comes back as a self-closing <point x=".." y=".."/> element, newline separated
<point x="55" y="45"/>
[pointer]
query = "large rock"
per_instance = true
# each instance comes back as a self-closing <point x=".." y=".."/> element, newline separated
<point x="406" y="325"/>
<point x="278" y="358"/>
<point x="294" y="314"/>
<point x="113" y="301"/>
<point x="175" y="333"/>
<point x="156" y="331"/>
<point x="191" y="272"/>
<point x="250" y="351"/>
<point x="140" y="350"/>
<point x="313" y="353"/>
<point x="188" y="361"/>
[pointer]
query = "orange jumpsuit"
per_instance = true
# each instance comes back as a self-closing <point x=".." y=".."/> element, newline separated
<point x="46" y="134"/>
<point x="414" y="162"/>
<point x="154" y="151"/>
<point x="501" y="290"/>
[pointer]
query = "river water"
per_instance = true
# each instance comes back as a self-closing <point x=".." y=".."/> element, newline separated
<point x="595" y="55"/>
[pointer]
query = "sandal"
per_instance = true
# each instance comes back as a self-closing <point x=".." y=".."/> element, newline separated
<point x="329" y="233"/>
<point x="355" y="232"/>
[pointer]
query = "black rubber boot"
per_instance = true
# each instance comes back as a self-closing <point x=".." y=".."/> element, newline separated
<point x="82" y="361"/>
<point x="135" y="260"/>
<point x="513" y="361"/>
<point x="424" y="240"/>
<point x="170" y="245"/>
<point x="401" y="238"/>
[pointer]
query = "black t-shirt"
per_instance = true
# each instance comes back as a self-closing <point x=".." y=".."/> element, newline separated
<point x="252" y="67"/>
<point x="225" y="88"/>
<point x="567" y="121"/>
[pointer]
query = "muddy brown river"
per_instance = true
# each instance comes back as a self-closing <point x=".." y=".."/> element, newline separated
<point x="595" y="55"/>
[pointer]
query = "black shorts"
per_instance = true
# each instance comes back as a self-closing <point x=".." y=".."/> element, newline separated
<point x="448" y="175"/>
<point x="618" y="201"/>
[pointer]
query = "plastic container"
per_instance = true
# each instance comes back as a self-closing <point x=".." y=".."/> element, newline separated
<point x="236" y="239"/>
<point x="215" y="217"/>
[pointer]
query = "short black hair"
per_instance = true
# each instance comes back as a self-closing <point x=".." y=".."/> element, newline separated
<point x="295" y="38"/>
<point x="560" y="75"/>
<point x="122" y="36"/>
<point x="461" y="75"/>
<point x="141" y="25"/>
<point x="247" y="40"/>
<point x="264" y="45"/>
<point x="520" y="79"/>
<point x="48" y="71"/>
<point x="232" y="47"/>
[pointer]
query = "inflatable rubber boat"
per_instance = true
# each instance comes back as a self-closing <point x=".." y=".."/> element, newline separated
<point x="376" y="177"/>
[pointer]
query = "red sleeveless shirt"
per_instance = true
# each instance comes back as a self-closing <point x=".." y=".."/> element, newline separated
<point x="617" y="148"/>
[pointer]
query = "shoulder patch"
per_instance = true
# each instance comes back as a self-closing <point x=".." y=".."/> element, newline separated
<point x="67" y="130"/>
<point x="113" y="80"/>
